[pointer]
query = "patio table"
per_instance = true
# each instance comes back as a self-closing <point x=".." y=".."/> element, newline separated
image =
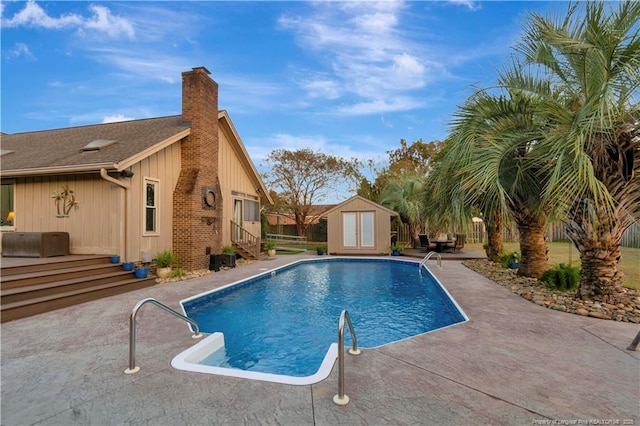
<point x="442" y="244"/>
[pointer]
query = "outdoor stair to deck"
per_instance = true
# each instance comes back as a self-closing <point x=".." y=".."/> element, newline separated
<point x="32" y="289"/>
<point x="244" y="251"/>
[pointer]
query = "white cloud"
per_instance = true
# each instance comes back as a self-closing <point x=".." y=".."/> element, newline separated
<point x="116" y="118"/>
<point x="367" y="55"/>
<point x="101" y="20"/>
<point x="386" y="105"/>
<point x="21" y="50"/>
<point x="147" y="63"/>
<point x="322" y="88"/>
<point x="469" y="4"/>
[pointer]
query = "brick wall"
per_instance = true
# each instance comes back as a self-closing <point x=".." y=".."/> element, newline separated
<point x="196" y="225"/>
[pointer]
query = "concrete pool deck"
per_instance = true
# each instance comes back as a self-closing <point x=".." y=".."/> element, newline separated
<point x="513" y="362"/>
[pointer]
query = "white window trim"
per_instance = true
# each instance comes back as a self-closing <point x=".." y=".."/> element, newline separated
<point x="156" y="182"/>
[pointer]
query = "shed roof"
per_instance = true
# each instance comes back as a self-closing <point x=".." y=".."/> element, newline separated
<point x="345" y="203"/>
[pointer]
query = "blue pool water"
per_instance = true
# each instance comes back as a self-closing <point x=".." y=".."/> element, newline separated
<point x="283" y="322"/>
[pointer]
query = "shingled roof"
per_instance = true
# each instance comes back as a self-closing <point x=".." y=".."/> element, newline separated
<point x="63" y="150"/>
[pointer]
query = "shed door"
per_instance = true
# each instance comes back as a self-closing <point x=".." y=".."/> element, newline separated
<point x="358" y="230"/>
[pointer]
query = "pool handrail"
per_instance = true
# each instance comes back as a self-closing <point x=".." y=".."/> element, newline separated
<point x="341" y="398"/>
<point x="423" y="262"/>
<point x="132" y="329"/>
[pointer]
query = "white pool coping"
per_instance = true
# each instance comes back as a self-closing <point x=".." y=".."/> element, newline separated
<point x="189" y="360"/>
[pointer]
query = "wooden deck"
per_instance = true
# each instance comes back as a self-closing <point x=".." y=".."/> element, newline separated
<point x="31" y="286"/>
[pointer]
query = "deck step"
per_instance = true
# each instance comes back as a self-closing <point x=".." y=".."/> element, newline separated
<point x="39" y="305"/>
<point x="42" y="286"/>
<point x="24" y="292"/>
<point x="52" y="264"/>
<point x="40" y="277"/>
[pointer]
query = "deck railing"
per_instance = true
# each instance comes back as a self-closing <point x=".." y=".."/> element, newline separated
<point x="244" y="239"/>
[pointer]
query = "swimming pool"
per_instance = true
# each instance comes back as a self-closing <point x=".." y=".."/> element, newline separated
<point x="282" y="325"/>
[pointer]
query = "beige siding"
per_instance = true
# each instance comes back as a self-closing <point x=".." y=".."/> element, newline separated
<point x="234" y="177"/>
<point x="163" y="167"/>
<point x="92" y="228"/>
<point x="106" y="212"/>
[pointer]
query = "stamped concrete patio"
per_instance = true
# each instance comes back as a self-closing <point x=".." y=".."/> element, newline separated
<point x="513" y="363"/>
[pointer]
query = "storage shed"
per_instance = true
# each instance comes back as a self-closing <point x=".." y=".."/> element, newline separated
<point x="359" y="226"/>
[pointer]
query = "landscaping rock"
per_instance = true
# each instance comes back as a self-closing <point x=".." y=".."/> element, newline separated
<point x="538" y="293"/>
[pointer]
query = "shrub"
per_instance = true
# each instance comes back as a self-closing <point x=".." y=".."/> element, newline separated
<point x="165" y="259"/>
<point x="562" y="277"/>
<point x="178" y="273"/>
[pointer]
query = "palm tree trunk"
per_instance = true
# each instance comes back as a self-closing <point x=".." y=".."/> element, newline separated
<point x="534" y="253"/>
<point x="495" y="246"/>
<point x="599" y="246"/>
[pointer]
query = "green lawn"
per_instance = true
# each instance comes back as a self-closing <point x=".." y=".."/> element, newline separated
<point x="564" y="252"/>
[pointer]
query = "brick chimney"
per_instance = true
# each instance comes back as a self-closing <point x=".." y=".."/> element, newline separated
<point x="197" y="202"/>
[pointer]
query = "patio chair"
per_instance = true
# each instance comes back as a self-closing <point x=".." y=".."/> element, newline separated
<point x="459" y="243"/>
<point x="424" y="242"/>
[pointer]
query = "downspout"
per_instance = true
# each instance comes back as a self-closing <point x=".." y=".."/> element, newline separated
<point x="123" y="229"/>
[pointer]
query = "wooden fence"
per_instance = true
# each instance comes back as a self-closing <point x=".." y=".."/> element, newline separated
<point x="555" y="232"/>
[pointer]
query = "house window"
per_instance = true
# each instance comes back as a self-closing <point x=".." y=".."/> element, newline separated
<point x="6" y="202"/>
<point x="251" y="211"/>
<point x="151" y="206"/>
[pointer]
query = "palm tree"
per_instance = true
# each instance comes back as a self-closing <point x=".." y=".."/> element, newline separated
<point x="497" y="138"/>
<point x="446" y="202"/>
<point x="404" y="195"/>
<point x="591" y="137"/>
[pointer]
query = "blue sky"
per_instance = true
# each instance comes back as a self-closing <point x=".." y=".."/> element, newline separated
<point x="349" y="79"/>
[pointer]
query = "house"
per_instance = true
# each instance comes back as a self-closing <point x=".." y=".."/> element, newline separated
<point x="183" y="183"/>
<point x="359" y="226"/>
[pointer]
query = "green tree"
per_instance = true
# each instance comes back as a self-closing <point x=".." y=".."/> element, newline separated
<point x="494" y="148"/>
<point x="409" y="159"/>
<point x="404" y="195"/>
<point x="304" y="177"/>
<point x="591" y="60"/>
<point x="446" y="202"/>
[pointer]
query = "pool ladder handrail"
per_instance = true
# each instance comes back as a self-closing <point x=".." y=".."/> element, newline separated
<point x="423" y="262"/>
<point x="132" y="329"/>
<point x="341" y="398"/>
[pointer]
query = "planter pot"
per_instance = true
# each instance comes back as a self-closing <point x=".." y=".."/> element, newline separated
<point x="229" y="260"/>
<point x="115" y="259"/>
<point x="163" y="272"/>
<point x="271" y="252"/>
<point x="396" y="253"/>
<point x="141" y="272"/>
<point x="320" y="252"/>
<point x="127" y="266"/>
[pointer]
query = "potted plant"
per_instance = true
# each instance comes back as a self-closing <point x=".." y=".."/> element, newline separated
<point x="321" y="250"/>
<point x="141" y="270"/>
<point x="229" y="256"/>
<point x="127" y="266"/>
<point x="271" y="248"/>
<point x="164" y="261"/>
<point x="396" y="249"/>
<point x="115" y="258"/>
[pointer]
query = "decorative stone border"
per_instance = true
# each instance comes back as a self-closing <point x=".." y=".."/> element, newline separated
<point x="530" y="289"/>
